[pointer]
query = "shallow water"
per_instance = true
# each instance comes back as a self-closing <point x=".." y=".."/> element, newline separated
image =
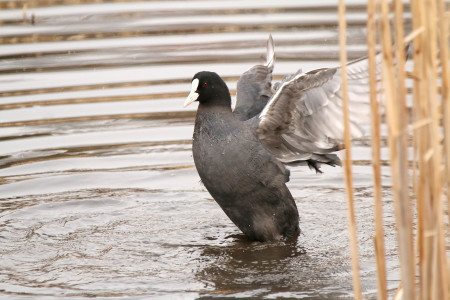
<point x="99" y="195"/>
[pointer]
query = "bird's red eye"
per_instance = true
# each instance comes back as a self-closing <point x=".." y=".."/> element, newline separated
<point x="205" y="84"/>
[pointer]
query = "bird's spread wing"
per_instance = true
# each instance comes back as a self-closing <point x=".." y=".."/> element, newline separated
<point x="303" y="120"/>
<point x="254" y="87"/>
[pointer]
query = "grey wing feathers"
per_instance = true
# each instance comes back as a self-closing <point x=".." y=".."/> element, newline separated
<point x="254" y="87"/>
<point x="304" y="119"/>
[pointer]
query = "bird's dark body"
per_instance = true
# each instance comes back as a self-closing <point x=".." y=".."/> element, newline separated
<point x="241" y="155"/>
<point x="241" y="175"/>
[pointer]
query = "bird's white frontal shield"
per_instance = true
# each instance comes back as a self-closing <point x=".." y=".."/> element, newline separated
<point x="193" y="95"/>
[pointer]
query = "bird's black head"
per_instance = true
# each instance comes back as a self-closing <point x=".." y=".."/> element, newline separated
<point x="209" y="89"/>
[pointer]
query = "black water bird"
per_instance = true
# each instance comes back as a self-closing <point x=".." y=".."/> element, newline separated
<point x="241" y="155"/>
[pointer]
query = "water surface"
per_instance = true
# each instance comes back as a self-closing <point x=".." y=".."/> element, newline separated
<point x="99" y="196"/>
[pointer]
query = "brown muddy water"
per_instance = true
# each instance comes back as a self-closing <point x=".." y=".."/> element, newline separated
<point x="99" y="196"/>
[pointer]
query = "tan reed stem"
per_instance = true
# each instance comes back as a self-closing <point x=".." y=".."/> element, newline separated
<point x="437" y="246"/>
<point x="348" y="156"/>
<point x="419" y="135"/>
<point x="444" y="43"/>
<point x="429" y="184"/>
<point x="376" y="155"/>
<point x="397" y="129"/>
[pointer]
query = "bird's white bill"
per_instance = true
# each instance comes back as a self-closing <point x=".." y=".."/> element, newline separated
<point x="193" y="95"/>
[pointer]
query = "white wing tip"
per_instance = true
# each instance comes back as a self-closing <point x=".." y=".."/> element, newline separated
<point x="270" y="54"/>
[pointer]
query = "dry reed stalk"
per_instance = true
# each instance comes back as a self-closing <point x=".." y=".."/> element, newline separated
<point x="395" y="91"/>
<point x="24" y="12"/>
<point x="413" y="35"/>
<point x="398" y="293"/>
<point x="419" y="135"/>
<point x="376" y="155"/>
<point x="348" y="157"/>
<point x="443" y="43"/>
<point x="439" y="259"/>
<point x="431" y="168"/>
<point x="429" y="182"/>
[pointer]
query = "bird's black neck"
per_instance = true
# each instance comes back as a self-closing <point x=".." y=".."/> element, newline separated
<point x="220" y="103"/>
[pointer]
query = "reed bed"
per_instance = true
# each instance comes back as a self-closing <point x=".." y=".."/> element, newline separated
<point x="420" y="184"/>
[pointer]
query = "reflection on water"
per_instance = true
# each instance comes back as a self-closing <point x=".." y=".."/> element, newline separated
<point x="98" y="192"/>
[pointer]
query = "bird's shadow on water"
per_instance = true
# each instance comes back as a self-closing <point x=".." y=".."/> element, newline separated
<point x="248" y="269"/>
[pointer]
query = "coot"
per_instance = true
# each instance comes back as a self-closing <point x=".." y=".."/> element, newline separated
<point x="241" y="155"/>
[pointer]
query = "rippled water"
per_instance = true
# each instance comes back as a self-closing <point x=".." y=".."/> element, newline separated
<point x="99" y="195"/>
